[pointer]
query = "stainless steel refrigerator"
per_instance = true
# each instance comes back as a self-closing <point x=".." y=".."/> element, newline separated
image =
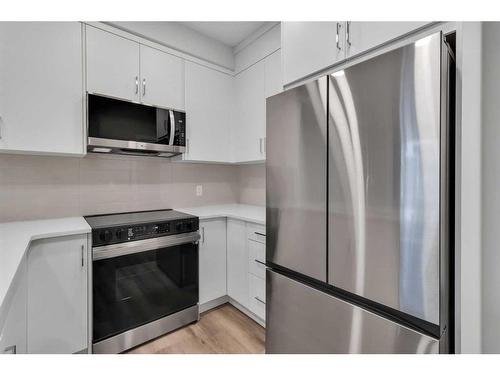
<point x="359" y="184"/>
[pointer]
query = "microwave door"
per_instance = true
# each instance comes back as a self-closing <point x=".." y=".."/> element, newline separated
<point x="163" y="126"/>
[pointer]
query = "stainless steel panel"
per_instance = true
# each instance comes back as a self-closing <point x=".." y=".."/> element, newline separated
<point x="125" y="248"/>
<point x="296" y="179"/>
<point x="384" y="178"/>
<point x="133" y="148"/>
<point x="139" y="335"/>
<point x="300" y="319"/>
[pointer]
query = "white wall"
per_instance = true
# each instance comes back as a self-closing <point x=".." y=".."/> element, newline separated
<point x="181" y="38"/>
<point x="491" y="188"/>
<point x="468" y="202"/>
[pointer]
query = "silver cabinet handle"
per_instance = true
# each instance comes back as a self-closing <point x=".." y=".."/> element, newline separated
<point x="10" y="349"/>
<point x="258" y="299"/>
<point x="348" y="33"/>
<point x="83" y="255"/>
<point x="144" y="87"/>
<point x="337" y="37"/>
<point x="187" y="145"/>
<point x="136" y="85"/>
<point x="260" y="146"/>
<point x="202" y="234"/>
<point x="264" y="142"/>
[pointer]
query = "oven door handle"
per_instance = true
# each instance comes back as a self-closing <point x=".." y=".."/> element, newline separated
<point x="133" y="247"/>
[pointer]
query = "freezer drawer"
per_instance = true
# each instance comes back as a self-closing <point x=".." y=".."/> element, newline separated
<point x="296" y="179"/>
<point x="385" y="171"/>
<point x="301" y="319"/>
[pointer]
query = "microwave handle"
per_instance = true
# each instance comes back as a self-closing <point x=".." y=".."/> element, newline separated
<point x="172" y="127"/>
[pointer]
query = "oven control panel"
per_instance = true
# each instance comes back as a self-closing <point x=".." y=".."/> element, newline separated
<point x="112" y="235"/>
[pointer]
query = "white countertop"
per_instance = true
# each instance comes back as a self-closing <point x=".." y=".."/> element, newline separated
<point x="246" y="212"/>
<point x="15" y="238"/>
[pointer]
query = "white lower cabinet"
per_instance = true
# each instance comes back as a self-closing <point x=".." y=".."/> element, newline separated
<point x="13" y="330"/>
<point x="57" y="295"/>
<point x="257" y="300"/>
<point x="237" y="262"/>
<point x="212" y="250"/>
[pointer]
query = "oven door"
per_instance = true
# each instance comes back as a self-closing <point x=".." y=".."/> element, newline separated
<point x="138" y="282"/>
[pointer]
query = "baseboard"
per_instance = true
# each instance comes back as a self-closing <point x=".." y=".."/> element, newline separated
<point x="213" y="303"/>
<point x="247" y="312"/>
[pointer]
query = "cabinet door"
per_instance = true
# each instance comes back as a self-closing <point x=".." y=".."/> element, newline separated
<point x="250" y="118"/>
<point x="13" y="332"/>
<point x="209" y="108"/>
<point x="112" y="65"/>
<point x="362" y="36"/>
<point x="212" y="260"/>
<point x="308" y="47"/>
<point x="273" y="76"/>
<point x="41" y="88"/>
<point x="237" y="262"/>
<point x="162" y="79"/>
<point x="57" y="295"/>
<point x="257" y="297"/>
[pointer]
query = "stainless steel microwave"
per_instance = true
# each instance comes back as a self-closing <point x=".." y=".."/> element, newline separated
<point x="121" y="127"/>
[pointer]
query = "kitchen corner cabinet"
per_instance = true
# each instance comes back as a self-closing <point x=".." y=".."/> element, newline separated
<point x="237" y="262"/>
<point x="363" y="36"/>
<point x="212" y="250"/>
<point x="247" y="137"/>
<point x="57" y="295"/>
<point x="308" y="47"/>
<point x="124" y="69"/>
<point x="41" y="88"/>
<point x="209" y="109"/>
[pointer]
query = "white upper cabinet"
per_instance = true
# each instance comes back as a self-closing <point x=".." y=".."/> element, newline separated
<point x="308" y="47"/>
<point x="212" y="260"/>
<point x="124" y="69"/>
<point x="162" y="79"/>
<point x="57" y="295"/>
<point x="112" y="65"/>
<point x="362" y="36"/>
<point x="209" y="108"/>
<point x="41" y="87"/>
<point x="248" y="131"/>
<point x="273" y="77"/>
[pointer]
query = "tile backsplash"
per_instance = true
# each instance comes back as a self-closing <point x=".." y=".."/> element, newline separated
<point x="37" y="187"/>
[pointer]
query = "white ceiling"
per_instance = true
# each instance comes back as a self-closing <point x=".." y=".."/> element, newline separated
<point x="229" y="33"/>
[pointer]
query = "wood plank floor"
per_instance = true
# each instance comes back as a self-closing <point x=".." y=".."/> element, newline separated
<point x="223" y="330"/>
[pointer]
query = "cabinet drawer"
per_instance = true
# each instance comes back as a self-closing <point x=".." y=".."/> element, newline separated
<point x="256" y="232"/>
<point x="257" y="258"/>
<point x="257" y="301"/>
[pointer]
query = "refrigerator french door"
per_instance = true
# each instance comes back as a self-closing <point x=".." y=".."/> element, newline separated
<point x="357" y="208"/>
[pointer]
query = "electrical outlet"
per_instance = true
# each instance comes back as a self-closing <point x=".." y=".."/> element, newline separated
<point x="199" y="190"/>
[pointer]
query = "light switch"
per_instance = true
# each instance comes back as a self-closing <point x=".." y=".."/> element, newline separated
<point x="199" y="190"/>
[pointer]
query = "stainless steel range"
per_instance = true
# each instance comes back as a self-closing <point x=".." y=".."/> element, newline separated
<point x="145" y="276"/>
